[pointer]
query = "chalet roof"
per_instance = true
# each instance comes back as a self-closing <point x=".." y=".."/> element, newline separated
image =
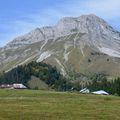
<point x="85" y="90"/>
<point x="101" y="92"/>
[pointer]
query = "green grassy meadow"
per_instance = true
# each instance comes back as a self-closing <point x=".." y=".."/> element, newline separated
<point x="50" y="105"/>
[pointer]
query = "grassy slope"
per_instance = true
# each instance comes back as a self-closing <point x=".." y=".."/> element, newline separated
<point x="98" y="64"/>
<point x="27" y="57"/>
<point x="36" y="83"/>
<point x="44" y="105"/>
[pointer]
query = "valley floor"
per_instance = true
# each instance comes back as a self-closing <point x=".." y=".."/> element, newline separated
<point x="50" y="105"/>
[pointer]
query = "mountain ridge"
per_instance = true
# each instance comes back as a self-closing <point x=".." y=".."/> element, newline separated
<point x="76" y="37"/>
<point x="67" y="26"/>
<point x="63" y="21"/>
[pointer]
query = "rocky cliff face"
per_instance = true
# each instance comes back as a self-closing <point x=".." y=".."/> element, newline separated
<point x="86" y="43"/>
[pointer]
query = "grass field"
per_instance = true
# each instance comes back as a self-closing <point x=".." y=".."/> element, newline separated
<point x="50" y="105"/>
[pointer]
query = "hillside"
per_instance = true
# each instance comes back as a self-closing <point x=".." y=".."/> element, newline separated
<point x="36" y="83"/>
<point x="44" y="105"/>
<point x="45" y="77"/>
<point x="86" y="44"/>
<point x="36" y="76"/>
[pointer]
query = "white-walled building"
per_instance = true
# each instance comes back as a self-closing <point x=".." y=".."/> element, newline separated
<point x="13" y="86"/>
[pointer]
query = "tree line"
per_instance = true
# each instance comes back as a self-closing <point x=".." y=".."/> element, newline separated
<point x="45" y="72"/>
<point x="53" y="78"/>
<point x="100" y="82"/>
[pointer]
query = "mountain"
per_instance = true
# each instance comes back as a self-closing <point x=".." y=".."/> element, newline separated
<point x="85" y="44"/>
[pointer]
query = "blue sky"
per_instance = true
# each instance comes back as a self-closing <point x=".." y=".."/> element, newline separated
<point x="18" y="17"/>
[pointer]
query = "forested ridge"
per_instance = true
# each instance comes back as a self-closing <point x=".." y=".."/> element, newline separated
<point x="55" y="80"/>
<point x="45" y="72"/>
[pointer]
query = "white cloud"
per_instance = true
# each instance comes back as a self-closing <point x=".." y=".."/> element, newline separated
<point x="106" y="8"/>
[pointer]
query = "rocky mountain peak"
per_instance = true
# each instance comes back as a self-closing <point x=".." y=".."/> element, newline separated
<point x="96" y="33"/>
<point x="83" y="24"/>
<point x="86" y="24"/>
<point x="73" y="40"/>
